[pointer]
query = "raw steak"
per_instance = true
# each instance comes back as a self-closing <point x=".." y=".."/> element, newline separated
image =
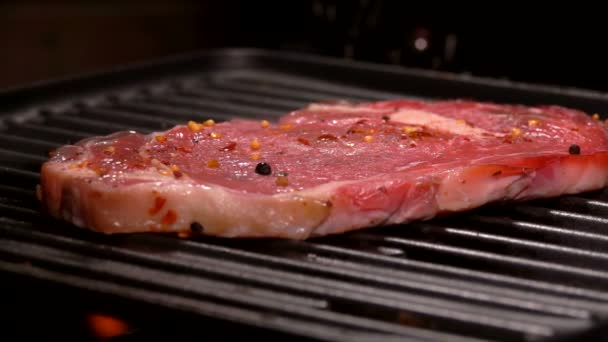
<point x="325" y="169"/>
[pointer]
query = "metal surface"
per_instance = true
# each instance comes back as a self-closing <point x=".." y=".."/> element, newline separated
<point x="533" y="271"/>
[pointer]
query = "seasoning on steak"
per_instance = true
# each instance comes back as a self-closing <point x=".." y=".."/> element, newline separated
<point x="325" y="169"/>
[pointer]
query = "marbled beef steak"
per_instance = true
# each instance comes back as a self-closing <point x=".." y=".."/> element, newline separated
<point x="325" y="169"/>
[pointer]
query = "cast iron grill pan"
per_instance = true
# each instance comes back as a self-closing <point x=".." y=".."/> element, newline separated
<point x="533" y="271"/>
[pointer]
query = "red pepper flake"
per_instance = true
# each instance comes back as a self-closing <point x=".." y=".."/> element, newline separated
<point x="327" y="137"/>
<point x="169" y="218"/>
<point x="159" y="203"/>
<point x="304" y="141"/>
<point x="184" y="149"/>
<point x="229" y="147"/>
<point x="177" y="174"/>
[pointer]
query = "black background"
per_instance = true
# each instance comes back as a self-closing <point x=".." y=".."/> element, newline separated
<point x="553" y="44"/>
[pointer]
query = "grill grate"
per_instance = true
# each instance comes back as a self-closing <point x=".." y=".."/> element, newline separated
<point x="533" y="271"/>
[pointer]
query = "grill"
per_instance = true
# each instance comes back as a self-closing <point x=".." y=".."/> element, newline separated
<point x="534" y="271"/>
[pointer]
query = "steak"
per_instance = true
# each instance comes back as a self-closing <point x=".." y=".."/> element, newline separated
<point x="325" y="169"/>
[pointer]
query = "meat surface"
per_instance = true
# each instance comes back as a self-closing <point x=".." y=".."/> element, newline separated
<point x="325" y="169"/>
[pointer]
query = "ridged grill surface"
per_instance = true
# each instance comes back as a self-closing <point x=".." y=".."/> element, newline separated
<point x="530" y="271"/>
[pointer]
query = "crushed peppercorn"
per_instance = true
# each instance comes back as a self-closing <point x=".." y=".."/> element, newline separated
<point x="194" y="127"/>
<point x="282" y="179"/>
<point x="515" y="132"/>
<point x="264" y="123"/>
<point x="209" y="123"/>
<point x="409" y="129"/>
<point x="596" y="117"/>
<point x="263" y="169"/>
<point x="213" y="163"/>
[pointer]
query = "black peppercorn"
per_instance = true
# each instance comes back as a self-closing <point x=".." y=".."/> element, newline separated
<point x="574" y="149"/>
<point x="196" y="227"/>
<point x="263" y="169"/>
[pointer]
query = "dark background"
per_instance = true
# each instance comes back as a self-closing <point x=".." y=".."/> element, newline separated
<point x="555" y="45"/>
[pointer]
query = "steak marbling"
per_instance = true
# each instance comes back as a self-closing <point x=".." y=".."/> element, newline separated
<point x="325" y="169"/>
